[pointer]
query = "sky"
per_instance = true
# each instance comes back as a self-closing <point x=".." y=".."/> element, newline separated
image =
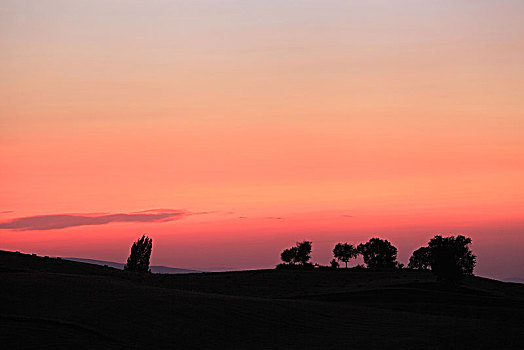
<point x="229" y="130"/>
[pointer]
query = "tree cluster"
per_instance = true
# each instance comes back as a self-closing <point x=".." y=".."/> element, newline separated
<point x="450" y="258"/>
<point x="300" y="254"/>
<point x="377" y="254"/>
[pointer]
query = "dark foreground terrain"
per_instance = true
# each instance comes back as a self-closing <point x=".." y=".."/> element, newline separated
<point x="57" y="304"/>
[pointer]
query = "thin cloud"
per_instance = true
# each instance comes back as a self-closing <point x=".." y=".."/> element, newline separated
<point x="60" y="221"/>
<point x="265" y="218"/>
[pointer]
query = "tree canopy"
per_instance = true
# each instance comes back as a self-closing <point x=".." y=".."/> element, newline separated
<point x="303" y="252"/>
<point x="378" y="253"/>
<point x="451" y="257"/>
<point x="345" y="252"/>
<point x="421" y="259"/>
<point x="138" y="260"/>
<point x="299" y="254"/>
<point x="288" y="255"/>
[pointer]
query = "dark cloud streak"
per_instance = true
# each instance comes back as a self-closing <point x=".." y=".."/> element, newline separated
<point x="60" y="221"/>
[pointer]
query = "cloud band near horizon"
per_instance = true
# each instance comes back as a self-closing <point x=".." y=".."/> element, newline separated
<point x="61" y="221"/>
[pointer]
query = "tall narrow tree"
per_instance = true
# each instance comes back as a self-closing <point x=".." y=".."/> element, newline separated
<point x="138" y="260"/>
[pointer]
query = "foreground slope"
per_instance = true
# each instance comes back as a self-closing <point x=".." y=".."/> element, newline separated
<point x="49" y="303"/>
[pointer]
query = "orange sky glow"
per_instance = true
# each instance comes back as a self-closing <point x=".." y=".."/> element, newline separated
<point x="263" y="123"/>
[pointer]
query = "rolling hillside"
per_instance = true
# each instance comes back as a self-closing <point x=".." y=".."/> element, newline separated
<point x="120" y="266"/>
<point x="50" y="304"/>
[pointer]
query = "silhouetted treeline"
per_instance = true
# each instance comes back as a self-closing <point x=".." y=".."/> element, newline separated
<point x="448" y="257"/>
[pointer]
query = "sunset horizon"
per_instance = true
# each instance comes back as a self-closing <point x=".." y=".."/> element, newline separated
<point x="227" y="131"/>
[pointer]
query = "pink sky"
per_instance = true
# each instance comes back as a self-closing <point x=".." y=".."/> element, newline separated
<point x="275" y="121"/>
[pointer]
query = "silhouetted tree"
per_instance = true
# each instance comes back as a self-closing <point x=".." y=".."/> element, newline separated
<point x="303" y="251"/>
<point x="299" y="254"/>
<point x="420" y="260"/>
<point x="451" y="257"/>
<point x="138" y="260"/>
<point x="334" y="263"/>
<point x="345" y="252"/>
<point x="288" y="255"/>
<point x="378" y="253"/>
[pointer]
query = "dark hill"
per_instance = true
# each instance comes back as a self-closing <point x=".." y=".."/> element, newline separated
<point x="57" y="304"/>
<point x="120" y="266"/>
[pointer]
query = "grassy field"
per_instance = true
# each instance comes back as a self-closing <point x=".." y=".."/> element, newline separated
<point x="56" y="304"/>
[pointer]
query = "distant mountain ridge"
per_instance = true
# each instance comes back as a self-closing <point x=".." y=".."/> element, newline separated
<point x="120" y="266"/>
<point x="514" y="279"/>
